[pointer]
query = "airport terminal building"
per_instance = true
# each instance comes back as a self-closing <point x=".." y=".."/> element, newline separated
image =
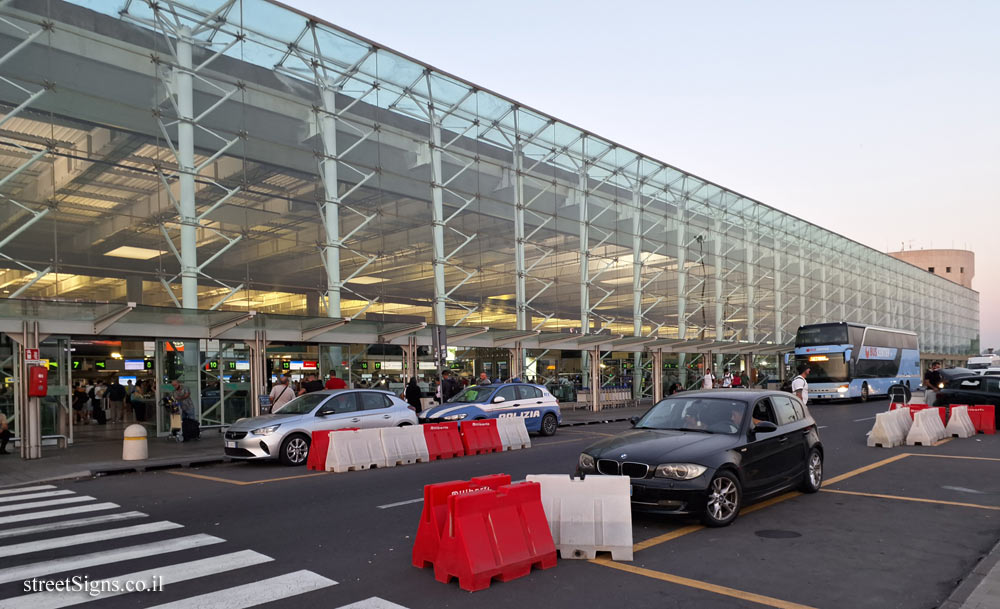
<point x="221" y="190"/>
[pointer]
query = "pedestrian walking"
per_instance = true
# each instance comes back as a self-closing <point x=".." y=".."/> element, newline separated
<point x="413" y="393"/>
<point x="727" y="378"/>
<point x="116" y="400"/>
<point x="281" y="393"/>
<point x="800" y="387"/>
<point x="335" y="382"/>
<point x="932" y="382"/>
<point x="709" y="380"/>
<point x="4" y="434"/>
<point x="484" y="379"/>
<point x="449" y="386"/>
<point x="311" y="384"/>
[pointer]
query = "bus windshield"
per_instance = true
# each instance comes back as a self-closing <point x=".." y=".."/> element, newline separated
<point x="824" y="334"/>
<point x="826" y="368"/>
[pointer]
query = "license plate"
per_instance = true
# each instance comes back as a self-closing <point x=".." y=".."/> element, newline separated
<point x="230" y="444"/>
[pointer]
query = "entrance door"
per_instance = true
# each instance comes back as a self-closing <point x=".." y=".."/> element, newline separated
<point x="177" y="360"/>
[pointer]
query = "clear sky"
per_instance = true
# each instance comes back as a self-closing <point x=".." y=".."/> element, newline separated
<point x="878" y="120"/>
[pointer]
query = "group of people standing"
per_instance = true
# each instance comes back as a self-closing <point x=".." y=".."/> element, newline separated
<point x="728" y="379"/>
<point x="110" y="401"/>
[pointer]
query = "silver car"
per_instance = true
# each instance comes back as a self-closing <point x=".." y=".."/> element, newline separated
<point x="286" y="433"/>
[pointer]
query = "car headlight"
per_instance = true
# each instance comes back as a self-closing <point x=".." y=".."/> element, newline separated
<point x="842" y="389"/>
<point x="679" y="471"/>
<point x="455" y="417"/>
<point x="941" y="386"/>
<point x="586" y="463"/>
<point x="263" y="431"/>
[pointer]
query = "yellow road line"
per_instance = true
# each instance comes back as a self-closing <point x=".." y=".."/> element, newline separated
<point x="917" y="499"/>
<point x="700" y="585"/>
<point x="241" y="482"/>
<point x="655" y="541"/>
<point x="954" y="457"/>
<point x="866" y="468"/>
<point x="945" y="441"/>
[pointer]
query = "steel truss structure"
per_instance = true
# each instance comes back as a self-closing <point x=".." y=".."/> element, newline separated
<point x="310" y="171"/>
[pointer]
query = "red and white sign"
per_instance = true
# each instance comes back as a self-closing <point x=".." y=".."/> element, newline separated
<point x="31" y="354"/>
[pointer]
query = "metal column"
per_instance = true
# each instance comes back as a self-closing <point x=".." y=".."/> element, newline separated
<point x="682" y="286"/>
<point x="437" y="231"/>
<point x="657" y="375"/>
<point x="185" y="161"/>
<point x="595" y="378"/>
<point x="331" y="200"/>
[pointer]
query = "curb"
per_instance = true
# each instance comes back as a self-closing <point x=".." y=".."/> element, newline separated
<point x="968" y="585"/>
<point x="579" y="423"/>
<point x="124" y="468"/>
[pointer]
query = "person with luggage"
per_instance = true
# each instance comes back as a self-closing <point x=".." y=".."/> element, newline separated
<point x="190" y="430"/>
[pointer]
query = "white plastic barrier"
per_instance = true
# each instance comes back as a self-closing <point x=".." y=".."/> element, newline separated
<point x="588" y="516"/>
<point x="887" y="431"/>
<point x="404" y="445"/>
<point x="904" y="419"/>
<point x="927" y="428"/>
<point x="513" y="433"/>
<point x="960" y="425"/>
<point x="355" y="450"/>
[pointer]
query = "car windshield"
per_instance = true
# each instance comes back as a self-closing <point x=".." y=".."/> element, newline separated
<point x="472" y="395"/>
<point x="303" y="404"/>
<point x="826" y="368"/>
<point x="695" y="413"/>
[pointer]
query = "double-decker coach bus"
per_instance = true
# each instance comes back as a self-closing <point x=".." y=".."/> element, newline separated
<point x="856" y="361"/>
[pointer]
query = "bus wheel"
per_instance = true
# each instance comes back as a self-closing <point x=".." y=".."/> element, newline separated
<point x="864" y="392"/>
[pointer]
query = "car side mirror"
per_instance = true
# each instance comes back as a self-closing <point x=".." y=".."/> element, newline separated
<point x="765" y="427"/>
<point x="499" y="399"/>
<point x="633" y="420"/>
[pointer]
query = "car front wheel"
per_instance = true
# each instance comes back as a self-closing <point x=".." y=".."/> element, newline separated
<point x="723" y="502"/>
<point x="813" y="477"/>
<point x="549" y="425"/>
<point x="294" y="450"/>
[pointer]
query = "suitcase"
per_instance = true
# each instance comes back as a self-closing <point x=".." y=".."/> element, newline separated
<point x="190" y="429"/>
<point x="175" y="422"/>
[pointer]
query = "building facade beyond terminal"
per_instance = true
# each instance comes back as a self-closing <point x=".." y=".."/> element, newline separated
<point x="219" y="190"/>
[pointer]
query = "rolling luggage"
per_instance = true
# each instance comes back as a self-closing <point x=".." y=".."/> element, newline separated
<point x="190" y="429"/>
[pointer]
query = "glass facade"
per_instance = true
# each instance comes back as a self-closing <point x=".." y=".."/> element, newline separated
<point x="238" y="155"/>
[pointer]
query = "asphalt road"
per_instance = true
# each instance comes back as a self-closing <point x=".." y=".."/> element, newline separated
<point x="901" y="534"/>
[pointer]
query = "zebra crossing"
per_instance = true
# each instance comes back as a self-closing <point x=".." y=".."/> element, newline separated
<point x="73" y="511"/>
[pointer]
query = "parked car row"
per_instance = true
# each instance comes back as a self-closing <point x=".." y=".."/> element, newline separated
<point x="286" y="433"/>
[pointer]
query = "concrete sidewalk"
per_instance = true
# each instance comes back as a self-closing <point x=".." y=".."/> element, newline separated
<point x="981" y="588"/>
<point x="105" y="456"/>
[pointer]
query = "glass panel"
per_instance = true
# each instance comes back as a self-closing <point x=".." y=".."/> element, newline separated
<point x="178" y="360"/>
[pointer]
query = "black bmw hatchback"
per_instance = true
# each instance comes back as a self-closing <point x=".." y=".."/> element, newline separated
<point x="708" y="452"/>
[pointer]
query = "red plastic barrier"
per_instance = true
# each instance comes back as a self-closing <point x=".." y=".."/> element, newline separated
<point x="443" y="440"/>
<point x="435" y="514"/>
<point x="319" y="446"/>
<point x="498" y="534"/>
<point x="481" y="437"/>
<point x="984" y="418"/>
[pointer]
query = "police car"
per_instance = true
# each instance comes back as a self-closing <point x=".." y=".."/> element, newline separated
<point x="533" y="403"/>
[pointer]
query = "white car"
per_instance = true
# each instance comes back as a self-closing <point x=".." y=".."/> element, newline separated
<point x="286" y="433"/>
